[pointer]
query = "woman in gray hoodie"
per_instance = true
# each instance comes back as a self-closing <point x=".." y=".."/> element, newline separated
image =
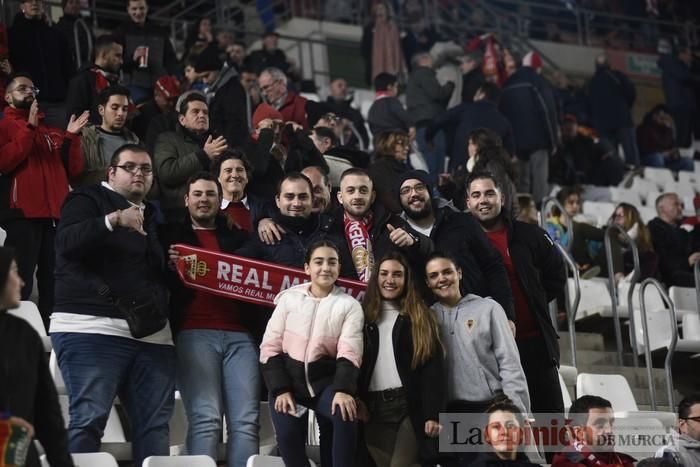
<point x="482" y="360"/>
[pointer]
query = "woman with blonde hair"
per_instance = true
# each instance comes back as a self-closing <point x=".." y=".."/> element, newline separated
<point x="402" y="368"/>
<point x="391" y="150"/>
<point x="627" y="216"/>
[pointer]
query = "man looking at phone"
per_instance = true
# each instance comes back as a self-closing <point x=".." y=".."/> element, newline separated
<point x="181" y="153"/>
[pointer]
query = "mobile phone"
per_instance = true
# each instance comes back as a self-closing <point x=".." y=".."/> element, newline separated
<point x="300" y="411"/>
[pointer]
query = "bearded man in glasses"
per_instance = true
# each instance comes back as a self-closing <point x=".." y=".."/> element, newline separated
<point x="35" y="162"/>
<point x="109" y="327"/>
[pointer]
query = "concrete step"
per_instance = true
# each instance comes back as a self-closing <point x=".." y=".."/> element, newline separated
<point x="586" y="358"/>
<point x="636" y="377"/>
<point x="584" y="341"/>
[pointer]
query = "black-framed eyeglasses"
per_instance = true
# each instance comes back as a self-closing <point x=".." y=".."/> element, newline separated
<point x="695" y="419"/>
<point x="418" y="188"/>
<point x="145" y="169"/>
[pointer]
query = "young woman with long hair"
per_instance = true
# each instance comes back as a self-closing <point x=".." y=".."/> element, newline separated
<point x="402" y="368"/>
<point x="311" y="354"/>
<point x="628" y="217"/>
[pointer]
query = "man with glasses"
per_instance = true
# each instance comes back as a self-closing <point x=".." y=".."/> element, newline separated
<point x="182" y="153"/>
<point x="684" y="446"/>
<point x="108" y="258"/>
<point x="35" y="161"/>
<point x="451" y="232"/>
<point x="39" y="49"/>
<point x="273" y="86"/>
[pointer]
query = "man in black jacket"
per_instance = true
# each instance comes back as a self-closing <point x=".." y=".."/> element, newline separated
<point x="87" y="83"/>
<point x="107" y="252"/>
<point x="454" y="233"/>
<point x="148" y="51"/>
<point x="611" y="96"/>
<point x="537" y="276"/>
<point x="672" y="244"/>
<point x="39" y="49"/>
<point x="468" y="116"/>
<point x="528" y="102"/>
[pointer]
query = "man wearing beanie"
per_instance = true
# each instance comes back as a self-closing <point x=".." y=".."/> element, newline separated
<point x="182" y="153"/>
<point x="455" y="233"/>
<point x="27" y="392"/>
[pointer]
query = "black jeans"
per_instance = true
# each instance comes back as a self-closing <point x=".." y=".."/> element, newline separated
<point x="33" y="242"/>
<point x="542" y="382"/>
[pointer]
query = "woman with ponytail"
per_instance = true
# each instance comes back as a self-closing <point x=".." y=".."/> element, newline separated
<point x="402" y="371"/>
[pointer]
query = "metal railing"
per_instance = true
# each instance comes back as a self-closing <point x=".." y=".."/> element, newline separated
<point x="696" y="271"/>
<point x="81" y="24"/>
<point x="671" y="346"/>
<point x="571" y="306"/>
<point x="549" y="201"/>
<point x="533" y="19"/>
<point x="612" y="288"/>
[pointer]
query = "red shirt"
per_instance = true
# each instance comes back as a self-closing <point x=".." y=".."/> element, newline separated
<point x="240" y="215"/>
<point x="209" y="311"/>
<point x="526" y="327"/>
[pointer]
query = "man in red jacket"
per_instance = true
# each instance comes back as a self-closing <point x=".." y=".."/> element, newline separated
<point x="35" y="162"/>
<point x="591" y="436"/>
<point x="273" y="86"/>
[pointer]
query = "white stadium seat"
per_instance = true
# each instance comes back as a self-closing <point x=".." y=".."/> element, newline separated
<point x="629" y="196"/>
<point x="599" y="210"/>
<point x="88" y="459"/>
<point x="179" y="461"/>
<point x="658" y="175"/>
<point x="595" y="298"/>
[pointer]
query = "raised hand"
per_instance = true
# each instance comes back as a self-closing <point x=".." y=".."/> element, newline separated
<point x="77" y="124"/>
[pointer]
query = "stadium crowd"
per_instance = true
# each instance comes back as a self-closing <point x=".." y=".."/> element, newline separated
<point x="107" y="167"/>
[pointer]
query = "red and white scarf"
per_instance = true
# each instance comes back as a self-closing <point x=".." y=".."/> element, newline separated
<point x="360" y="245"/>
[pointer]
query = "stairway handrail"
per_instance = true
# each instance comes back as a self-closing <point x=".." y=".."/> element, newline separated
<point x="80" y="23"/>
<point x="671" y="345"/>
<point x="696" y="271"/>
<point x="571" y="308"/>
<point x="569" y="221"/>
<point x="612" y="288"/>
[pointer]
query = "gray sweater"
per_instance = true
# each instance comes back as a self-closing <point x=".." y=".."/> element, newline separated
<point x="482" y="357"/>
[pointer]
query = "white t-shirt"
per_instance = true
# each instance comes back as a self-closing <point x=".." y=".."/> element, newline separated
<point x="385" y="374"/>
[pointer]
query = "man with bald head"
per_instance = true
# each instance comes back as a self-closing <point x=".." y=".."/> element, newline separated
<point x="673" y="245"/>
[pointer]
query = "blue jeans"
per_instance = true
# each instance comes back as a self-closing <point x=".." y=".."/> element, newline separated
<point x="435" y="156"/>
<point x="290" y="432"/>
<point x="96" y="368"/>
<point x="217" y="373"/>
<point x="658" y="160"/>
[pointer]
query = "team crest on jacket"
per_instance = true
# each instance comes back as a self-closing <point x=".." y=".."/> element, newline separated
<point x="471" y="324"/>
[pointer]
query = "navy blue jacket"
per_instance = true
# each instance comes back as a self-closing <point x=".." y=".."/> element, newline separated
<point x="291" y="249"/>
<point x="89" y="255"/>
<point x="470" y="116"/>
<point x="529" y="104"/>
<point x="678" y="82"/>
<point x="611" y="96"/>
